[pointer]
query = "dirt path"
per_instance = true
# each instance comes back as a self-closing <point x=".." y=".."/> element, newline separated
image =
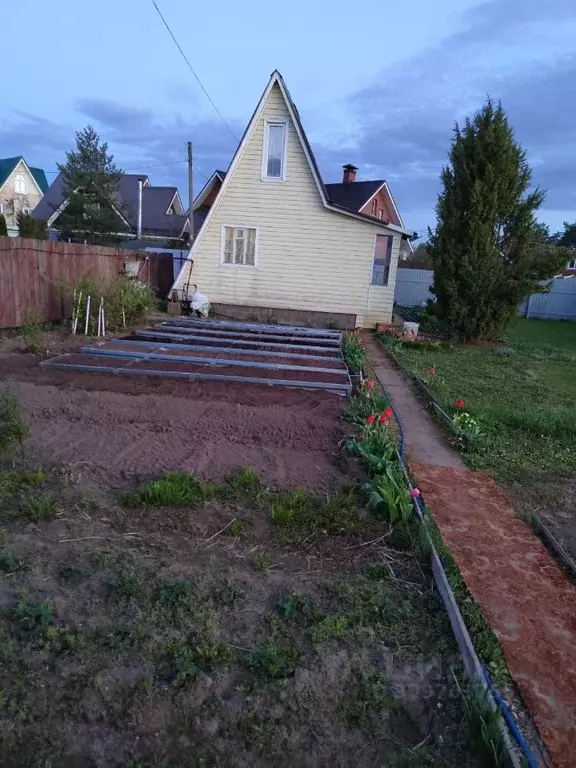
<point x="527" y="599"/>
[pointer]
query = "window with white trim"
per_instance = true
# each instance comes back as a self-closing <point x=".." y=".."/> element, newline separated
<point x="274" y="164"/>
<point x="239" y="246"/>
<point x="572" y="264"/>
<point x="374" y="207"/>
<point x="19" y="184"/>
<point x="382" y="258"/>
<point x="1" y="208"/>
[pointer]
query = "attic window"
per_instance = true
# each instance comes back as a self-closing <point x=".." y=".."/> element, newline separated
<point x="274" y="156"/>
<point x="374" y="207"/>
<point x="19" y="184"/>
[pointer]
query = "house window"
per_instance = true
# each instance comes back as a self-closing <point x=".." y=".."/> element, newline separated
<point x="572" y="264"/>
<point x="274" y="161"/>
<point x="374" y="207"/>
<point x="239" y="246"/>
<point x="381" y="213"/>
<point x="19" y="184"/>
<point x="382" y="256"/>
<point x="26" y="211"/>
<point x="1" y="208"/>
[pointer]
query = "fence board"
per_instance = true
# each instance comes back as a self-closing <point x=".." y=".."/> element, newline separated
<point x="32" y="273"/>
<point x="412" y="290"/>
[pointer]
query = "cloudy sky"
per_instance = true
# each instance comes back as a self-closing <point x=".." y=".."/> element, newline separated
<point x="377" y="83"/>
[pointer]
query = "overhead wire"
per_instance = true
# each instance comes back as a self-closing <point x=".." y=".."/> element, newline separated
<point x="191" y="68"/>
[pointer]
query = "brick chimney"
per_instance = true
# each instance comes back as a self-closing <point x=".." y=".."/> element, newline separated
<point x="349" y="174"/>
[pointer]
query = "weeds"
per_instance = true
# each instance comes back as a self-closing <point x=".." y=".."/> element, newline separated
<point x="33" y="477"/>
<point x="330" y="628"/>
<point x="74" y="573"/>
<point x="484" y="723"/>
<point x="43" y="506"/>
<point x="274" y="662"/>
<point x="124" y="587"/>
<point x="30" y="620"/>
<point x="366" y="696"/>
<point x="13" y="427"/>
<point x="187" y="661"/>
<point x="259" y="562"/>
<point x="171" y="490"/>
<point x="126" y="301"/>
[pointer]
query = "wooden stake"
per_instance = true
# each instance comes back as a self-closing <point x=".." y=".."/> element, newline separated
<point x="87" y="315"/>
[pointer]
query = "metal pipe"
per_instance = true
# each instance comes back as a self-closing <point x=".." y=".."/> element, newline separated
<point x="338" y="389"/>
<point x="247" y="334"/>
<point x="99" y="352"/>
<point x="259" y="326"/>
<point x="139" y="224"/>
<point x="199" y="348"/>
<point x="247" y="343"/>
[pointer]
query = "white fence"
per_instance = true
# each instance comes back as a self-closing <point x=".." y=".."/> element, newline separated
<point x="412" y="290"/>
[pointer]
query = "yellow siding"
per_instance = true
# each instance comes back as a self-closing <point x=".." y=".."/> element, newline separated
<point x="308" y="258"/>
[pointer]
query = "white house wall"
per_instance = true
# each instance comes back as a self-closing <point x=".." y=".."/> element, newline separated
<point x="308" y="258"/>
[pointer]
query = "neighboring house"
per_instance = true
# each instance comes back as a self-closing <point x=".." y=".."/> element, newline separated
<point x="21" y="189"/>
<point x="571" y="266"/>
<point x="205" y="198"/>
<point x="274" y="239"/>
<point x="163" y="216"/>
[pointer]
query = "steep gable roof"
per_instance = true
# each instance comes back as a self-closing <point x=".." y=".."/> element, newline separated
<point x="277" y="79"/>
<point x="8" y="164"/>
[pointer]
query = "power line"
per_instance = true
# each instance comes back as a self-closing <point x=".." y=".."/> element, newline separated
<point x="191" y="68"/>
<point x="145" y="167"/>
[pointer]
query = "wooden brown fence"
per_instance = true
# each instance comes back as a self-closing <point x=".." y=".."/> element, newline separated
<point x="33" y="272"/>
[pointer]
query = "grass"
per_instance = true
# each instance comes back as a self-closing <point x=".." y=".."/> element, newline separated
<point x="524" y="400"/>
<point x="183" y="654"/>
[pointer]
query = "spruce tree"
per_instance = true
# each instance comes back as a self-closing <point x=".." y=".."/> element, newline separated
<point x="90" y="182"/>
<point x="487" y="251"/>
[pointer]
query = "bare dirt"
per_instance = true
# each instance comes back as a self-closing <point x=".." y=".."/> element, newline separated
<point x="109" y="428"/>
<point x="164" y="643"/>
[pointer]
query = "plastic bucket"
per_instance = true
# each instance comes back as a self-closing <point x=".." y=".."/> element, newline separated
<point x="411" y="329"/>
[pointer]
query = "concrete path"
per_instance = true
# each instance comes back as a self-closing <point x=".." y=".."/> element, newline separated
<point x="524" y="594"/>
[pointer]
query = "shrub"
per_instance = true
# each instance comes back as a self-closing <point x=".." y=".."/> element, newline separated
<point x="32" y="334"/>
<point x="3" y="226"/>
<point x="126" y="301"/>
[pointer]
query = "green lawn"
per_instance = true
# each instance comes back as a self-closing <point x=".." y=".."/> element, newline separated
<point x="524" y="397"/>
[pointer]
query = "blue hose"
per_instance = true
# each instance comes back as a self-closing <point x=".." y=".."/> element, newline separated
<point x="525" y="749"/>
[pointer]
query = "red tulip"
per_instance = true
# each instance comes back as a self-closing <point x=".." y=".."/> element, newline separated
<point x="383" y="419"/>
<point x="415" y="493"/>
<point x="388" y="412"/>
<point x="369" y="384"/>
<point x="459" y="403"/>
<point x="370" y="420"/>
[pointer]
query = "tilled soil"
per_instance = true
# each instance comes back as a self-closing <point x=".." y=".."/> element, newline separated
<point x="108" y="429"/>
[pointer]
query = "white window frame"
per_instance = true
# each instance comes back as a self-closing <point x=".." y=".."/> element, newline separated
<point x="1" y="208"/>
<point x="223" y="242"/>
<point x="264" y="172"/>
<point x="19" y="177"/>
<point x="572" y="263"/>
<point x="391" y="241"/>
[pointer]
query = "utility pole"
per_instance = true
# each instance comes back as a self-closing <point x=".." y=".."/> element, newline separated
<point x="190" y="193"/>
